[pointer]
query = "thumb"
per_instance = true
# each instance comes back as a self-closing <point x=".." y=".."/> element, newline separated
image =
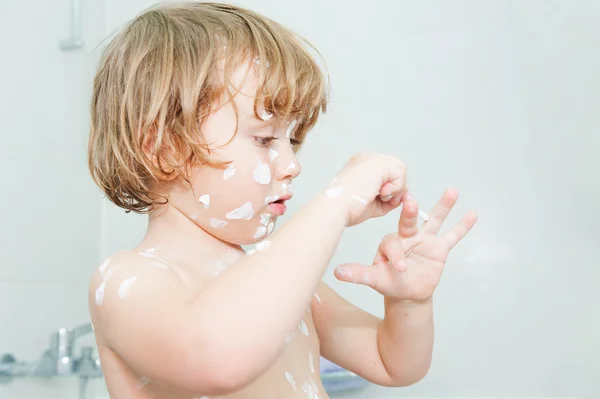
<point x="356" y="273"/>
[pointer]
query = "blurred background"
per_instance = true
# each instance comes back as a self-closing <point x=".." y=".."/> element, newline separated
<point x="499" y="99"/>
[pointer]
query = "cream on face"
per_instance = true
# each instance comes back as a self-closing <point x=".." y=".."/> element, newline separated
<point x="260" y="163"/>
<point x="229" y="172"/>
<point x="244" y="212"/>
<point x="262" y="174"/>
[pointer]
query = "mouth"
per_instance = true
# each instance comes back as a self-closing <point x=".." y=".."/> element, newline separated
<point x="282" y="200"/>
<point x="278" y="207"/>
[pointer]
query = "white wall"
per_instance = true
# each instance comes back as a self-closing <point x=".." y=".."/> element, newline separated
<point x="50" y="207"/>
<point x="496" y="98"/>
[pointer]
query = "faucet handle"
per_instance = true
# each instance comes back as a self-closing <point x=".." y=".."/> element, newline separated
<point x="61" y="342"/>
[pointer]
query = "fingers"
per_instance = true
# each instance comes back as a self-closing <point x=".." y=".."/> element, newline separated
<point x="407" y="225"/>
<point x="392" y="250"/>
<point x="395" y="188"/>
<point x="459" y="231"/>
<point x="357" y="274"/>
<point x="440" y="211"/>
<point x="391" y="204"/>
<point x="396" y="184"/>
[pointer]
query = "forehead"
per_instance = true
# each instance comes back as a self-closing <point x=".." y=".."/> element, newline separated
<point x="243" y="84"/>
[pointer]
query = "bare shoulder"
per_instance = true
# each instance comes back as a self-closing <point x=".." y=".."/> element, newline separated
<point x="128" y="285"/>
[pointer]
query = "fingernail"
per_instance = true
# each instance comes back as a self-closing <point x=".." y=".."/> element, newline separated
<point x="386" y="198"/>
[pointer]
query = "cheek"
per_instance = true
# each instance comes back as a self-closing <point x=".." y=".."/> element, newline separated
<point x="235" y="193"/>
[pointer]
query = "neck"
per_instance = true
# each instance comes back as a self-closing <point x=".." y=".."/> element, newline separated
<point x="180" y="240"/>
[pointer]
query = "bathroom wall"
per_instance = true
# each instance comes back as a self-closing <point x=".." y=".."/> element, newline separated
<point x="498" y="99"/>
<point x="50" y="208"/>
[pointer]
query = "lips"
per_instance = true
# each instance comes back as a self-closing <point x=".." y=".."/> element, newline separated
<point x="282" y="199"/>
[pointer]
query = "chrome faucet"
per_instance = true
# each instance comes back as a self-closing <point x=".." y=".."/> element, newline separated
<point x="57" y="360"/>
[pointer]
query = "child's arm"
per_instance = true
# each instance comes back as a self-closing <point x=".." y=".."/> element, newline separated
<point x="222" y="338"/>
<point x="353" y="339"/>
<point x="397" y="350"/>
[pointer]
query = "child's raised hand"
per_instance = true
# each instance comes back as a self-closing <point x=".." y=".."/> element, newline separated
<point x="369" y="185"/>
<point x="409" y="263"/>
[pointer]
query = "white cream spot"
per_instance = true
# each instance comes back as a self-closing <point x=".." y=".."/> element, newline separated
<point x="344" y="272"/>
<point x="205" y="200"/>
<point x="102" y="287"/>
<point x="334" y="192"/>
<point x="100" y="294"/>
<point x="108" y="274"/>
<point x="261" y="246"/>
<point x="257" y="62"/>
<point x="220" y="267"/>
<point x="270" y="228"/>
<point x="103" y="266"/>
<point x="273" y="154"/>
<point x="229" y="172"/>
<point x="311" y="362"/>
<point x="271" y="198"/>
<point x="290" y="128"/>
<point x="125" y="286"/>
<point x="310" y="389"/>
<point x="194" y="215"/>
<point x="214" y="222"/>
<point x="291" y="166"/>
<point x="142" y="382"/>
<point x="265" y="115"/>
<point x="243" y="212"/>
<point x="264" y="218"/>
<point x="284" y="186"/>
<point x="149" y="253"/>
<point x="290" y="379"/>
<point x="261" y="231"/>
<point x="289" y="188"/>
<point x="318" y="298"/>
<point x="159" y="264"/>
<point x="262" y="174"/>
<point x="359" y="199"/>
<point x="289" y="338"/>
<point x="303" y="327"/>
<point x="366" y="280"/>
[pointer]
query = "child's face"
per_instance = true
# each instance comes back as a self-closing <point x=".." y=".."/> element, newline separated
<point x="236" y="203"/>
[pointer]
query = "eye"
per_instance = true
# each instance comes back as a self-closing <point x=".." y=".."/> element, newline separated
<point x="265" y="141"/>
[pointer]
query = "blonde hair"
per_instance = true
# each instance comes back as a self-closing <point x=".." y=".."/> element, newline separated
<point x="159" y="79"/>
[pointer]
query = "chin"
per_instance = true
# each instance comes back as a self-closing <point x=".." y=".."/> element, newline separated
<point x="245" y="239"/>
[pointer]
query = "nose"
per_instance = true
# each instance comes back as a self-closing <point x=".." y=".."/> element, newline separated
<point x="287" y="166"/>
